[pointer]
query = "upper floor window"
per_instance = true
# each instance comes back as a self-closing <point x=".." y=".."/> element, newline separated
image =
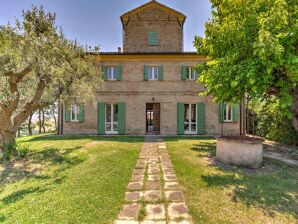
<point x="228" y="113"/>
<point x="191" y="73"/>
<point x="74" y="115"/>
<point x="153" y="73"/>
<point x="111" y="72"/>
<point x="153" y="38"/>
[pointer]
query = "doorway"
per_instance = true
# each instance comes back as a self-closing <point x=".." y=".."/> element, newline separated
<point x="153" y="118"/>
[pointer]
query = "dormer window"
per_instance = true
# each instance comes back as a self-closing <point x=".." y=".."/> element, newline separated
<point x="153" y="39"/>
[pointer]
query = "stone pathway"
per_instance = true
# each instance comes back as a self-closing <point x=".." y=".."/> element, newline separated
<point x="153" y="196"/>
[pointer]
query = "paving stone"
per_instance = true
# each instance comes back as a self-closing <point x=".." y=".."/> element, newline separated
<point x="126" y="222"/>
<point x="137" y="178"/>
<point x="171" y="186"/>
<point x="153" y="222"/>
<point x="170" y="177"/>
<point x="153" y="166"/>
<point x="138" y="171"/>
<point x="176" y="196"/>
<point x="154" y="177"/>
<point x="130" y="212"/>
<point x="178" y="210"/>
<point x="154" y="171"/>
<point x="169" y="171"/>
<point x="134" y="186"/>
<point x="133" y="196"/>
<point x="155" y="211"/>
<point x="153" y="185"/>
<point x="180" y="222"/>
<point x="152" y="196"/>
<point x="140" y="166"/>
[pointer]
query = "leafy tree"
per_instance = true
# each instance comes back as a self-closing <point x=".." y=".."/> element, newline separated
<point x="38" y="66"/>
<point x="252" y="46"/>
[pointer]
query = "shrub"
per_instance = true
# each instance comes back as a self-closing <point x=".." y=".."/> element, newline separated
<point x="22" y="150"/>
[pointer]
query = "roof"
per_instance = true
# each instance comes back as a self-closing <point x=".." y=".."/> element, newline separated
<point x="149" y="56"/>
<point x="125" y="17"/>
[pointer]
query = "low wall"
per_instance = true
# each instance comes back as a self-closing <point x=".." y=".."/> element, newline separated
<point x="240" y="152"/>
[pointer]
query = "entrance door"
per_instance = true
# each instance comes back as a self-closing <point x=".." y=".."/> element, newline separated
<point x="153" y="118"/>
<point x="111" y="118"/>
<point x="190" y="118"/>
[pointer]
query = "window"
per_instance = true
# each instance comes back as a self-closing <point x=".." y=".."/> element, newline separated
<point x="111" y="118"/>
<point x="75" y="110"/>
<point x="153" y="73"/>
<point x="228" y="113"/>
<point x="153" y="38"/>
<point x="191" y="73"/>
<point x="190" y="118"/>
<point x="111" y="71"/>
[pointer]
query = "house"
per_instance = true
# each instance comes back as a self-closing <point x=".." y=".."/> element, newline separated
<point x="150" y="87"/>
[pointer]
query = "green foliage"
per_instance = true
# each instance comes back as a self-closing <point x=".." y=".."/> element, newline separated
<point x="252" y="49"/>
<point x="273" y="126"/>
<point x="22" y="150"/>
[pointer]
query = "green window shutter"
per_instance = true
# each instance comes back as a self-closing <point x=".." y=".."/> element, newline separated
<point x="235" y="112"/>
<point x="146" y="75"/>
<point x="104" y="73"/>
<point x="184" y="72"/>
<point x="220" y="112"/>
<point x="201" y="116"/>
<point x="81" y="115"/>
<point x="67" y="113"/>
<point x="160" y="73"/>
<point x="101" y="118"/>
<point x="180" y="118"/>
<point x="119" y="73"/>
<point x="121" y="118"/>
<point x="153" y="38"/>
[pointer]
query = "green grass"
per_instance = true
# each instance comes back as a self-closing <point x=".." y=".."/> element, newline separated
<point x="68" y="180"/>
<point x="216" y="193"/>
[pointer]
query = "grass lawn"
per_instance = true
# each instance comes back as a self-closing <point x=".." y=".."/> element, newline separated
<point x="225" y="194"/>
<point x="68" y="180"/>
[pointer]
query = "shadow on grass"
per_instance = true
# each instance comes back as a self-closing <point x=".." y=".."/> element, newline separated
<point x="129" y="139"/>
<point x="15" y="196"/>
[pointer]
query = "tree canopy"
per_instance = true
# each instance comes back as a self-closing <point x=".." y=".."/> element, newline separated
<point x="252" y="48"/>
<point x="38" y="66"/>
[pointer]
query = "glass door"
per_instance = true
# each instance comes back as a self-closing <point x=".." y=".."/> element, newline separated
<point x="112" y="118"/>
<point x="190" y="118"/>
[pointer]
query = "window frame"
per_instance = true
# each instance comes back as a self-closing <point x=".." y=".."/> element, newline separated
<point x="76" y="109"/>
<point x="155" y="69"/>
<point x="112" y="119"/>
<point x="149" y="35"/>
<point x="114" y="71"/>
<point x="225" y="114"/>
<point x="190" y="132"/>
<point x="190" y="71"/>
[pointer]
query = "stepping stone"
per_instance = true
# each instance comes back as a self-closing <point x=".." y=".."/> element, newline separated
<point x="133" y="196"/>
<point x="176" y="196"/>
<point x="134" y="186"/>
<point x="170" y="177"/>
<point x="153" y="185"/>
<point x="130" y="212"/>
<point x="138" y="171"/>
<point x="181" y="222"/>
<point x="169" y="171"/>
<point x="153" y="222"/>
<point x="178" y="210"/>
<point x="162" y="147"/>
<point x="141" y="166"/>
<point x="155" y="212"/>
<point x="154" y="171"/>
<point x="154" y="177"/>
<point x="152" y="196"/>
<point x="172" y="186"/>
<point x="153" y="166"/>
<point x="125" y="222"/>
<point x="137" y="178"/>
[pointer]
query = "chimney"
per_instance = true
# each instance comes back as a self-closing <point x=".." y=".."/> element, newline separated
<point x="119" y="50"/>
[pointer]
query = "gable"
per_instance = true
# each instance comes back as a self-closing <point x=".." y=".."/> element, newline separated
<point x="153" y="5"/>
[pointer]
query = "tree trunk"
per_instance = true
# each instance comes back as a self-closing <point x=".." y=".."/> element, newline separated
<point x="19" y="132"/>
<point x="39" y="121"/>
<point x="294" y="110"/>
<point x="43" y="120"/>
<point x="8" y="141"/>
<point x="55" y="120"/>
<point x="30" y="124"/>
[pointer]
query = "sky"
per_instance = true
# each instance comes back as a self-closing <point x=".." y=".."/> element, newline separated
<point x="97" y="22"/>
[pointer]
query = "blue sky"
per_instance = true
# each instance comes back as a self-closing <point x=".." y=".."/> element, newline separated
<point x="97" y="22"/>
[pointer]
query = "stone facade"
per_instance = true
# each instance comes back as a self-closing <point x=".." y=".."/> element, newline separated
<point x="135" y="92"/>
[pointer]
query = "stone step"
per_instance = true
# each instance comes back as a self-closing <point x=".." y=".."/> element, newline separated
<point x="280" y="158"/>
